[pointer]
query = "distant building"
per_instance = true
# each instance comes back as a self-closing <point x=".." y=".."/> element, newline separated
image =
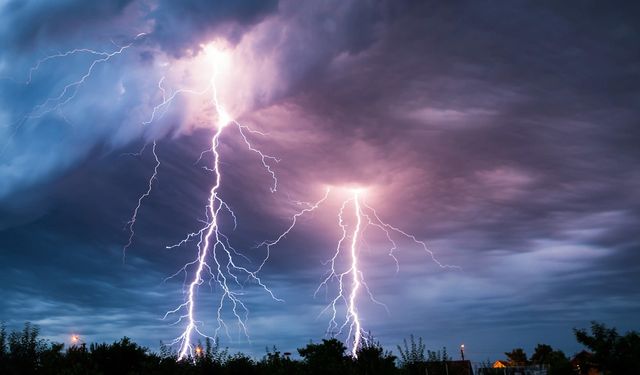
<point x="500" y="364"/>
<point x="501" y="367"/>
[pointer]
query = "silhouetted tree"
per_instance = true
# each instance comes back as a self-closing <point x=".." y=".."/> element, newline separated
<point x="325" y="358"/>
<point x="517" y="357"/>
<point x="559" y="364"/>
<point x="240" y="364"/>
<point x="24" y="349"/>
<point x="211" y="358"/>
<point x="277" y="364"/>
<point x="3" y="345"/>
<point x="438" y="356"/>
<point x="52" y="359"/>
<point x="121" y="357"/>
<point x="541" y="354"/>
<point x="77" y="358"/>
<point x="412" y="358"/>
<point x="611" y="352"/>
<point x="555" y="361"/>
<point x="628" y="352"/>
<point x="374" y="360"/>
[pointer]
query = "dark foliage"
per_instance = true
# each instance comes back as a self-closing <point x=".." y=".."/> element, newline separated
<point x="612" y="353"/>
<point x="517" y="357"/>
<point x="412" y="359"/>
<point x="374" y="360"/>
<point x="25" y="353"/>
<point x="555" y="361"/>
<point x="327" y="357"/>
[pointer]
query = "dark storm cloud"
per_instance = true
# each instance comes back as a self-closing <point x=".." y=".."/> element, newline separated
<point x="26" y="24"/>
<point x="181" y="25"/>
<point x="526" y="142"/>
<point x="512" y="130"/>
<point x="129" y="80"/>
<point x="506" y="136"/>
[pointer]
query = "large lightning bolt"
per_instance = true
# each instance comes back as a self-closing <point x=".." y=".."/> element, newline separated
<point x="350" y="278"/>
<point x="216" y="256"/>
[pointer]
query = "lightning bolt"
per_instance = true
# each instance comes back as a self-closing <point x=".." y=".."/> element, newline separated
<point x="349" y="297"/>
<point x="216" y="256"/>
<point x="132" y="221"/>
<point x="355" y="327"/>
<point x="350" y="279"/>
<point x="69" y="91"/>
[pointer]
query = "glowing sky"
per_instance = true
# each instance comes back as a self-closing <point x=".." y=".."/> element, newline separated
<point x="504" y="135"/>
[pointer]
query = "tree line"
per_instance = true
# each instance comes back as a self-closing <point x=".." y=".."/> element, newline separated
<point x="24" y="352"/>
<point x="608" y="353"/>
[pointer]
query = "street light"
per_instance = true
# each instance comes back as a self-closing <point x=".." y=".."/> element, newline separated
<point x="76" y="339"/>
<point x="462" y="351"/>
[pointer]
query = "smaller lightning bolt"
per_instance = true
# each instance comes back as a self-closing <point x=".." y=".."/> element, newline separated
<point x="132" y="221"/>
<point x="352" y="318"/>
<point x="70" y="90"/>
<point x="350" y="280"/>
<point x="74" y="51"/>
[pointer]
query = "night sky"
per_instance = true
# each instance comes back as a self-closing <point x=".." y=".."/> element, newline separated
<point x="503" y="134"/>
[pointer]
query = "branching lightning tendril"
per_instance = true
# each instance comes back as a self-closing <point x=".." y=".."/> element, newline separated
<point x="132" y="221"/>
<point x="70" y="90"/>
